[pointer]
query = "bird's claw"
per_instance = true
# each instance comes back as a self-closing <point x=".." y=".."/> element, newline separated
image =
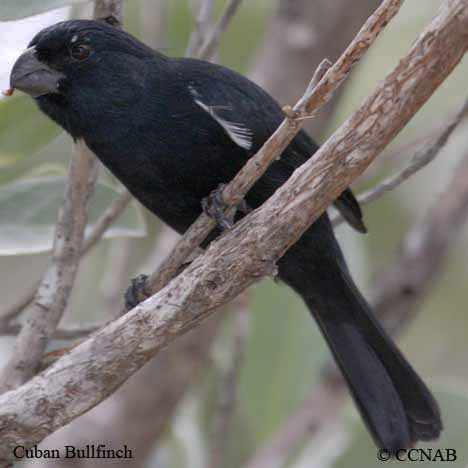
<point x="215" y="207"/>
<point x="136" y="292"/>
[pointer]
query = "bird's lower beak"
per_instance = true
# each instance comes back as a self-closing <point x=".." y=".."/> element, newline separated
<point x="32" y="76"/>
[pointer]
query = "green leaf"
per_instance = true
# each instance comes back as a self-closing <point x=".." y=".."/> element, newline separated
<point x="28" y="212"/>
<point x="15" y="9"/>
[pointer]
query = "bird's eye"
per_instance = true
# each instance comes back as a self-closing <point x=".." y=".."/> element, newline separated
<point x="80" y="52"/>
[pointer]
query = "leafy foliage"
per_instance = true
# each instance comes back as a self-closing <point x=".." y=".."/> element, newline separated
<point x="28" y="212"/>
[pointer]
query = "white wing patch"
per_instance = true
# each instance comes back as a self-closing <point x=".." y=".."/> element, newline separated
<point x="239" y="134"/>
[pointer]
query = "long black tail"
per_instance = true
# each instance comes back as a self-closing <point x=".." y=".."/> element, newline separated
<point x="395" y="404"/>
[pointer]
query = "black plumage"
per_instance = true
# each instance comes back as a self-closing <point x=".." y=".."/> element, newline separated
<point x="172" y="130"/>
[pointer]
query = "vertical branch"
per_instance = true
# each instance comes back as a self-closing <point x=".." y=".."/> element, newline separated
<point x="55" y="287"/>
<point x="54" y="290"/>
<point x="201" y="27"/>
<point x="209" y="47"/>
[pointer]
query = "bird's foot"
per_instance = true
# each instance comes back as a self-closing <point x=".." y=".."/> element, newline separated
<point x="215" y="207"/>
<point x="136" y="292"/>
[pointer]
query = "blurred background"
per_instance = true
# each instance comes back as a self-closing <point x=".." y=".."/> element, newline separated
<point x="224" y="395"/>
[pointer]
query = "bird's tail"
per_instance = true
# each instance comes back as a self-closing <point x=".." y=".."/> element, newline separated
<point x="394" y="402"/>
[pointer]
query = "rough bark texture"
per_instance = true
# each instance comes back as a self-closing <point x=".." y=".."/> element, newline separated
<point x="96" y="367"/>
<point x="398" y="292"/>
<point x="302" y="34"/>
<point x="138" y="413"/>
<point x="325" y="82"/>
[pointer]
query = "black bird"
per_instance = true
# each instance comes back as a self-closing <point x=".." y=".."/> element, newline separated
<point x="174" y="129"/>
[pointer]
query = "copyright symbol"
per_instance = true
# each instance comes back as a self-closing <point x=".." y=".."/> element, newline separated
<point x="383" y="455"/>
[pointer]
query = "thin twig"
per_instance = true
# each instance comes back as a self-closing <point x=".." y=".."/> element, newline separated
<point x="209" y="47"/>
<point x="14" y="310"/>
<point x="108" y="217"/>
<point x="201" y="27"/>
<point x="423" y="253"/>
<point x="420" y="160"/>
<point x="320" y="90"/>
<point x="69" y="332"/>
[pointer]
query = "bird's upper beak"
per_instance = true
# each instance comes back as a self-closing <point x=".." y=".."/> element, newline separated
<point x="32" y="76"/>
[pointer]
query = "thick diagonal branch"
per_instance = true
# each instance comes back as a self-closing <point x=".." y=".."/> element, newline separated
<point x="324" y="83"/>
<point x="99" y="365"/>
<point x="398" y="292"/>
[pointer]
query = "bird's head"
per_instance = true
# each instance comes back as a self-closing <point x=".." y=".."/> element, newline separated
<point x="82" y="73"/>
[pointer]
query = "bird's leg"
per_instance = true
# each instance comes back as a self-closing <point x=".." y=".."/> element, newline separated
<point x="215" y="207"/>
<point x="136" y="292"/>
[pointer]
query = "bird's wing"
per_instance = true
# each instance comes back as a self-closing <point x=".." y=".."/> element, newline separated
<point x="250" y="116"/>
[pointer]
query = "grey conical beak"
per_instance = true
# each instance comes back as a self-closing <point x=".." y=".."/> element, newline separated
<point x="33" y="76"/>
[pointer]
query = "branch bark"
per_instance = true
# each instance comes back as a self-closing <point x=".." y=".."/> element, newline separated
<point x="203" y="17"/>
<point x="99" y="365"/>
<point x="398" y="292"/>
<point x="420" y="160"/>
<point x="211" y="43"/>
<point x="320" y="90"/>
<point x="138" y="414"/>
